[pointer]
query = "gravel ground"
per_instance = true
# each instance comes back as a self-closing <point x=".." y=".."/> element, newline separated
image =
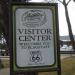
<point x="4" y="71"/>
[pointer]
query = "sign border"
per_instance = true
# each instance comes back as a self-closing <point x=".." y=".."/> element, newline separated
<point x="55" y="66"/>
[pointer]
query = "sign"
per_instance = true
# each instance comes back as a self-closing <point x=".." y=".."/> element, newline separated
<point x="34" y="37"/>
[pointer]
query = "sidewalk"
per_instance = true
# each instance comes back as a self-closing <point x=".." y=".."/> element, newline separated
<point x="4" y="71"/>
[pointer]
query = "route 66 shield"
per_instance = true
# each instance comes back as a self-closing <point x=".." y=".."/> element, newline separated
<point x="35" y="56"/>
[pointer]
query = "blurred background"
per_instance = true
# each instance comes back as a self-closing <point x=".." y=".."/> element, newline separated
<point x="66" y="15"/>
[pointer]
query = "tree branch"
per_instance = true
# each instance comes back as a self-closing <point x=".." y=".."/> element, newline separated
<point x="68" y="2"/>
<point x="60" y="1"/>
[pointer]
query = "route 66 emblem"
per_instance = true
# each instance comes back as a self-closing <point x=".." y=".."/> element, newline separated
<point x="35" y="56"/>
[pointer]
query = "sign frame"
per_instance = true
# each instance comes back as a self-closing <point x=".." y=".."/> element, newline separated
<point x="54" y="67"/>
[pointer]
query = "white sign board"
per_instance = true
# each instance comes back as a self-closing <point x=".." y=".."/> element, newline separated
<point x="34" y="36"/>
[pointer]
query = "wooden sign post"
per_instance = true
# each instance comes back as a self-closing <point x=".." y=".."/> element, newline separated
<point x="34" y="37"/>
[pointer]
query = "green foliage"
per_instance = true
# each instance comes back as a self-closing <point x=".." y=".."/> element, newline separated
<point x="2" y="46"/>
<point x="1" y="65"/>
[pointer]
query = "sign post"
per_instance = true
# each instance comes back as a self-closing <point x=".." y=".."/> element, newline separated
<point x="34" y="35"/>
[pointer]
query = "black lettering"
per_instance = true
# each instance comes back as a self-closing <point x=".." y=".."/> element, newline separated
<point x="43" y="31"/>
<point x="49" y="31"/>
<point x="20" y="31"/>
<point x="21" y="38"/>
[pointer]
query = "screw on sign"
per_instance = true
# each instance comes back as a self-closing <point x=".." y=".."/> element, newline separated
<point x="35" y="56"/>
